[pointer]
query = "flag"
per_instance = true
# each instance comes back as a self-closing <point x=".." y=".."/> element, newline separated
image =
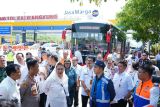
<point x="108" y="36"/>
<point x="64" y="34"/>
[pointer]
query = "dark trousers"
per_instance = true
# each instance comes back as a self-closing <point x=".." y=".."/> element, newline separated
<point x="84" y="100"/>
<point x="121" y="103"/>
<point x="130" y="102"/>
<point x="72" y="92"/>
<point x="10" y="62"/>
<point x="76" y="98"/>
<point x="158" y="64"/>
<point x="43" y="98"/>
<point x="71" y="100"/>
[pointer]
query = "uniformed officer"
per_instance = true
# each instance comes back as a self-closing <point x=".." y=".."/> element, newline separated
<point x="102" y="91"/>
<point x="143" y="96"/>
<point x="10" y="56"/>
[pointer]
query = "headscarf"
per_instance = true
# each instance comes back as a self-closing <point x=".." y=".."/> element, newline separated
<point x="55" y="77"/>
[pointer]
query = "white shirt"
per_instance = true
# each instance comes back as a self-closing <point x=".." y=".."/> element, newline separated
<point x="78" y="69"/>
<point x="9" y="90"/>
<point x="40" y="77"/>
<point x="156" y="70"/>
<point x="87" y="75"/>
<point x="157" y="57"/>
<point x="122" y="84"/>
<point x="22" y="66"/>
<point x="154" y="95"/>
<point x="114" y="56"/>
<point x="56" y="96"/>
<point x="79" y="56"/>
<point x="43" y="63"/>
<point x="24" y="73"/>
<point x="134" y="76"/>
<point x="131" y="60"/>
<point x="109" y="73"/>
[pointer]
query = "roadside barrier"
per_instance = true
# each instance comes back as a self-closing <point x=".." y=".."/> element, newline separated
<point x="16" y="48"/>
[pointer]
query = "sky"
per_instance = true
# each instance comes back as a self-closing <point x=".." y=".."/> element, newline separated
<point x="107" y="10"/>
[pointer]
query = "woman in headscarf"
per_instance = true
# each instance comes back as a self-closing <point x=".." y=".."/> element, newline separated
<point x="56" y="87"/>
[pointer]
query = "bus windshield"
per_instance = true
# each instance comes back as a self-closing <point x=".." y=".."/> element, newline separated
<point x="91" y="42"/>
<point x="90" y="38"/>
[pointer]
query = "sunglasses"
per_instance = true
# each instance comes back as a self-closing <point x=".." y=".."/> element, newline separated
<point x="28" y="54"/>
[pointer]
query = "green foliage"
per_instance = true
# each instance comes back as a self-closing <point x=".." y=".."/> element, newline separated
<point x="142" y="16"/>
<point x="155" y="48"/>
<point x="121" y="36"/>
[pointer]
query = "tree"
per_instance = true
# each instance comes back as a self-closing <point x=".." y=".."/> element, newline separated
<point x="142" y="16"/>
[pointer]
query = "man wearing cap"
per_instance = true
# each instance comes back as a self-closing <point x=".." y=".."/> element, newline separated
<point x="102" y="91"/>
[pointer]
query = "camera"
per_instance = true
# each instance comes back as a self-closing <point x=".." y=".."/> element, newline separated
<point x="155" y="79"/>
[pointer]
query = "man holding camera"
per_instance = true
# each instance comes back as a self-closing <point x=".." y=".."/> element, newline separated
<point x="144" y="59"/>
<point x="146" y="95"/>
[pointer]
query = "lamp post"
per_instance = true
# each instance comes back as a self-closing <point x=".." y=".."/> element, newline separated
<point x="24" y="31"/>
<point x="35" y="35"/>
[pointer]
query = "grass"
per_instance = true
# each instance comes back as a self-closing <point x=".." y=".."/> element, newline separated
<point x="45" y="37"/>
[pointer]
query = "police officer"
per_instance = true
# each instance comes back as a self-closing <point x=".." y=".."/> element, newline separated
<point x="102" y="91"/>
<point x="10" y="56"/>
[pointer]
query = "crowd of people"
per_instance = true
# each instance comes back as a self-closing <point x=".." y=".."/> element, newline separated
<point x="53" y="81"/>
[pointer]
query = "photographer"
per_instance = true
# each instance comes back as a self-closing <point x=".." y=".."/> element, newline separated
<point x="145" y="90"/>
<point x="144" y="59"/>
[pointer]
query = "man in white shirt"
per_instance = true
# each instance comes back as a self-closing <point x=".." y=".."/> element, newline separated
<point x="123" y="85"/>
<point x="110" y="69"/>
<point x="78" y="70"/>
<point x="114" y="55"/>
<point x="99" y="57"/>
<point x="23" y="67"/>
<point x="8" y="87"/>
<point x="20" y="60"/>
<point x="86" y="80"/>
<point x="78" y="54"/>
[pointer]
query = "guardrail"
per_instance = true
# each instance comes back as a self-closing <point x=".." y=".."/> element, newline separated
<point x="14" y="47"/>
